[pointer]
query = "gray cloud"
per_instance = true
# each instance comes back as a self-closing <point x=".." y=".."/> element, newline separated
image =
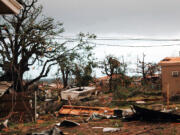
<point x="116" y="16"/>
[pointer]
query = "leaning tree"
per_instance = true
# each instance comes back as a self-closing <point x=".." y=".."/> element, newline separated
<point x="26" y="39"/>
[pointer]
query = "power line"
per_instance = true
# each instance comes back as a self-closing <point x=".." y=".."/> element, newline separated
<point x="167" y="45"/>
<point x="103" y="38"/>
<point x="115" y="38"/>
<point x="114" y="45"/>
<point x="132" y="46"/>
<point x="121" y="39"/>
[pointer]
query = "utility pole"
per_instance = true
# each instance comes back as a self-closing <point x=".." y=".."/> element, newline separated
<point x="35" y="104"/>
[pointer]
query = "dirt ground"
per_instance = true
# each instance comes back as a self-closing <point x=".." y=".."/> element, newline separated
<point x="48" y="121"/>
<point x="87" y="128"/>
<point x="127" y="128"/>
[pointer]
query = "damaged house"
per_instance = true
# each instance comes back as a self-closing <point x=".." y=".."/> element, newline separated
<point x="9" y="7"/>
<point x="170" y="67"/>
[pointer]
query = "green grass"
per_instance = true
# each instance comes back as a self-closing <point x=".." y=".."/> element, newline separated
<point x="29" y="124"/>
<point x="45" y="124"/>
<point x="173" y="131"/>
<point x="116" y="123"/>
<point x="17" y="132"/>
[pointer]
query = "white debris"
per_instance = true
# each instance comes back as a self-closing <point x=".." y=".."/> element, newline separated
<point x="5" y="123"/>
<point x="111" y="129"/>
<point x="126" y="112"/>
<point x="77" y="93"/>
<point x="58" y="124"/>
<point x="97" y="127"/>
<point x="140" y="102"/>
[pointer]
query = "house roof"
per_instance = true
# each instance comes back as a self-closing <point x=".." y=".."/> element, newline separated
<point x="105" y="78"/>
<point x="170" y="61"/>
<point x="153" y="76"/>
<point x="10" y="7"/>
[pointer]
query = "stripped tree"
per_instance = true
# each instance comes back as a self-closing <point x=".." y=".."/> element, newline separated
<point x="146" y="69"/>
<point x="79" y="61"/>
<point x="26" y="40"/>
<point x="111" y="66"/>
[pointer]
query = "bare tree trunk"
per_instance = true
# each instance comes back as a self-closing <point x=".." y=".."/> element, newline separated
<point x="65" y="75"/>
<point x="110" y="84"/>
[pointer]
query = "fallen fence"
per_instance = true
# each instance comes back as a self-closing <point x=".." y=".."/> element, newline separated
<point x="16" y="107"/>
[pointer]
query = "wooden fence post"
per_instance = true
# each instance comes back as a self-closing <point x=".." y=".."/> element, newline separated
<point x="168" y="95"/>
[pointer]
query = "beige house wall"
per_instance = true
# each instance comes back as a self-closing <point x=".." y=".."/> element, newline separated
<point x="170" y="84"/>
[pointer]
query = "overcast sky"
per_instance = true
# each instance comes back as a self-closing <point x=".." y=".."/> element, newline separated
<point x="118" y="19"/>
<point x="134" y="17"/>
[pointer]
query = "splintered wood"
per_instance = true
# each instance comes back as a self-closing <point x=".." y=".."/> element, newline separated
<point x="85" y="111"/>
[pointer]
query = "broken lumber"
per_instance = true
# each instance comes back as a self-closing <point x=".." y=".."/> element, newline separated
<point x="84" y="110"/>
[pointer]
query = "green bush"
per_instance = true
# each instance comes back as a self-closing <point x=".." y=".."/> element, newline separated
<point x="122" y="93"/>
